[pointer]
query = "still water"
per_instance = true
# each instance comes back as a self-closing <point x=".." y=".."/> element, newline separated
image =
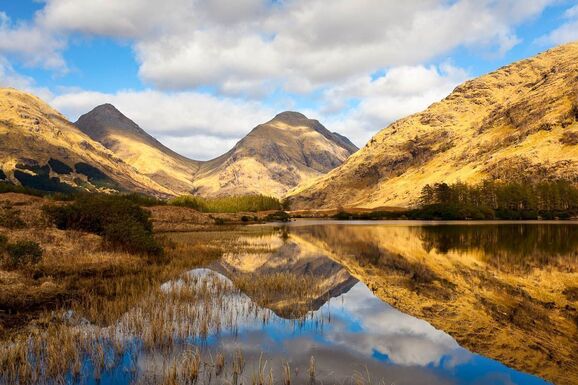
<point x="370" y="302"/>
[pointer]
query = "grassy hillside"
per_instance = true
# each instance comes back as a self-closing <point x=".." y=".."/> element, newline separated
<point x="520" y="121"/>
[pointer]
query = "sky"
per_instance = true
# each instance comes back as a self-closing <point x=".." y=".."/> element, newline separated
<point x="200" y="74"/>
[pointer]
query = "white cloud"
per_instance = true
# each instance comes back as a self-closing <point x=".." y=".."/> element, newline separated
<point x="255" y="49"/>
<point x="400" y="92"/>
<point x="247" y="45"/>
<point x="10" y="78"/>
<point x="31" y="44"/>
<point x="566" y="33"/>
<point x="204" y="126"/>
<point x="306" y="44"/>
<point x="194" y="124"/>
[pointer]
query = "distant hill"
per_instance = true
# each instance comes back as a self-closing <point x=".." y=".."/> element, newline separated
<point x="132" y="144"/>
<point x="518" y="122"/>
<point x="40" y="148"/>
<point x="274" y="157"/>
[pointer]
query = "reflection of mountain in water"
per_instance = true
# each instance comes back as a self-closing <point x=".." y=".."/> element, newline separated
<point x="269" y="255"/>
<point x="491" y="287"/>
<point x="355" y="333"/>
<point x="507" y="246"/>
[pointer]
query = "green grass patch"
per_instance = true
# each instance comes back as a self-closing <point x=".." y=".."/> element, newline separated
<point x="231" y="204"/>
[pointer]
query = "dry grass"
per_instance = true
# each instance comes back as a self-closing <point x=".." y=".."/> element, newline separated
<point x="270" y="289"/>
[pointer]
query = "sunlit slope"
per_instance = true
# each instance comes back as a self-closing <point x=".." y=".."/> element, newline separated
<point x="132" y="144"/>
<point x="40" y="148"/>
<point x="520" y="120"/>
<point x="274" y="157"/>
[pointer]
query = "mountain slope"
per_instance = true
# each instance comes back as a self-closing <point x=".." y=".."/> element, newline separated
<point x="519" y="121"/>
<point x="274" y="157"/>
<point x="128" y="141"/>
<point x="39" y="148"/>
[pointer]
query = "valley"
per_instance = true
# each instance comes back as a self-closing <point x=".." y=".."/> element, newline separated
<point x="442" y="252"/>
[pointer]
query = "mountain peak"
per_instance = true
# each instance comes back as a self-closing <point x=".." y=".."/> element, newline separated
<point x="107" y="112"/>
<point x="106" y="107"/>
<point x="103" y="119"/>
<point x="290" y="117"/>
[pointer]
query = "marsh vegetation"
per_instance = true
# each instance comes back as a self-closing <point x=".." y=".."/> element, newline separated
<point x="274" y="304"/>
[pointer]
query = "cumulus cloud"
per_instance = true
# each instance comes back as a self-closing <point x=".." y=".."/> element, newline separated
<point x="247" y="51"/>
<point x="31" y="44"/>
<point x="303" y="45"/>
<point x="567" y="32"/>
<point x="299" y="45"/>
<point x="204" y="126"/>
<point x="401" y="91"/>
<point x="11" y="78"/>
<point x="198" y="125"/>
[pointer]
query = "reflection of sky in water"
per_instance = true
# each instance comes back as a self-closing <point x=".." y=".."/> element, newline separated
<point x="357" y="332"/>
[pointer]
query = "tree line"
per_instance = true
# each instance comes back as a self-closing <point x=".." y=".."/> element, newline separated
<point x="490" y="199"/>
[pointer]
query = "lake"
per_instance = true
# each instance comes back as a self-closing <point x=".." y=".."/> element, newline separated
<point x="328" y="302"/>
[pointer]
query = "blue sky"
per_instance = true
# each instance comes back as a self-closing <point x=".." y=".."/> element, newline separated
<point x="198" y="75"/>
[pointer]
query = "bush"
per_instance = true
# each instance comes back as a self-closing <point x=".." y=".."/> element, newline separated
<point x="3" y="242"/>
<point x="130" y="236"/>
<point x="279" y="216"/>
<point x="144" y="200"/>
<point x="7" y="187"/>
<point x="123" y="224"/>
<point x="10" y="218"/>
<point x="23" y="253"/>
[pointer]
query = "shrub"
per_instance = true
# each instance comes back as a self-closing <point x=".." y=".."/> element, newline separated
<point x="144" y="200"/>
<point x="3" y="242"/>
<point x="10" y="218"/>
<point x="23" y="253"/>
<point x="279" y="216"/>
<point x="130" y="236"/>
<point x="123" y="224"/>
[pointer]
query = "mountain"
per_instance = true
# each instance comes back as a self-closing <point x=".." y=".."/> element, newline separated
<point x="274" y="157"/>
<point x="40" y="148"/>
<point x="107" y="125"/>
<point x="106" y="151"/>
<point x="520" y="121"/>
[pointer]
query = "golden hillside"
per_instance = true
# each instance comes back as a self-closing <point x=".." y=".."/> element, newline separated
<point x="128" y="141"/>
<point x="274" y="157"/>
<point x="519" y="121"/>
<point x="39" y="148"/>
